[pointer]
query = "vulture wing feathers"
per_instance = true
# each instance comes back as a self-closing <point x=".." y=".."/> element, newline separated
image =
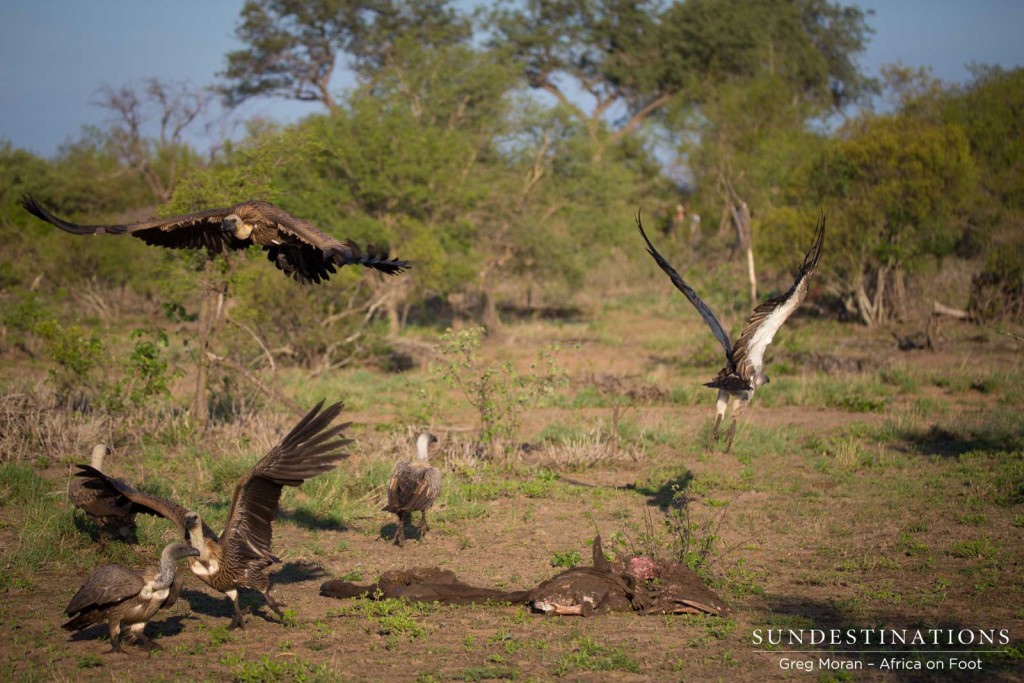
<point x="308" y="450"/>
<point x="412" y="488"/>
<point x="107" y="585"/>
<point x="687" y="290"/>
<point x="296" y="247"/>
<point x="126" y="496"/>
<point x="187" y="231"/>
<point x="767" y="318"/>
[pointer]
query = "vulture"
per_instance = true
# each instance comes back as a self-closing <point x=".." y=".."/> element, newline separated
<point x="238" y="557"/>
<point x="296" y="247"/>
<point x="413" y="486"/>
<point x="744" y="362"/>
<point x="115" y="520"/>
<point x="127" y="598"/>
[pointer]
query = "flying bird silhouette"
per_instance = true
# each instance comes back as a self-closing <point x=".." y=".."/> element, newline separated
<point x="296" y="247"/>
<point x="744" y="362"/>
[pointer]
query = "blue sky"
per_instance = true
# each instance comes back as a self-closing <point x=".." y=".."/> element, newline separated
<point x="56" y="54"/>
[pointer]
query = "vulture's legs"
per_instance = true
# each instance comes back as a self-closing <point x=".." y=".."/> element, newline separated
<point x="400" y="532"/>
<point x="236" y="620"/>
<point x="114" y="628"/>
<point x="272" y="603"/>
<point x="424" y="527"/>
<point x="738" y="409"/>
<point x="720" y="405"/>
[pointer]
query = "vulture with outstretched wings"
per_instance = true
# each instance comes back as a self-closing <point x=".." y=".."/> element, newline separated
<point x="296" y="247"/>
<point x="238" y="557"/>
<point x="744" y="361"/>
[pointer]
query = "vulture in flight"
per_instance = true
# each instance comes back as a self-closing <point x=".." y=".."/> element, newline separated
<point x="238" y="557"/>
<point x="124" y="597"/>
<point x="414" y="486"/>
<point x="744" y="360"/>
<point x="296" y="247"/>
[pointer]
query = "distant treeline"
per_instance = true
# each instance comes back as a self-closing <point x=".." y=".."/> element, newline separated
<point x="506" y="153"/>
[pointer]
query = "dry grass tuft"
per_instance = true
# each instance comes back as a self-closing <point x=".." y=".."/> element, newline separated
<point x="593" y="449"/>
<point x="32" y="427"/>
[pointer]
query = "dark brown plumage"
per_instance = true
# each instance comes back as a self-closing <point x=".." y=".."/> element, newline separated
<point x="744" y="361"/>
<point x="238" y="557"/>
<point x="414" y="486"/>
<point x="114" y="518"/>
<point x="127" y="598"/>
<point x="296" y="247"/>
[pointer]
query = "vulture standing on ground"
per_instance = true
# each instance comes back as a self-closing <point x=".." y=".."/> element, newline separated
<point x="295" y="246"/>
<point x="115" y="519"/>
<point x="237" y="558"/>
<point x="414" y="486"/>
<point x="124" y="597"/>
<point x="744" y="363"/>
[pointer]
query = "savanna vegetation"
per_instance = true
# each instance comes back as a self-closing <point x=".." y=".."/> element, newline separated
<point x="506" y="152"/>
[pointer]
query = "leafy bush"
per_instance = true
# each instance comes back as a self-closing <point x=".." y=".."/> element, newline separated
<point x="498" y="392"/>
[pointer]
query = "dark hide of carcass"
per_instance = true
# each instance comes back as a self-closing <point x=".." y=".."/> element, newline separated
<point x="639" y="584"/>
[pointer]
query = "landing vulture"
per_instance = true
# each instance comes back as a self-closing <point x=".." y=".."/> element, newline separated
<point x="295" y="246"/>
<point x="238" y="557"/>
<point x="744" y="361"/>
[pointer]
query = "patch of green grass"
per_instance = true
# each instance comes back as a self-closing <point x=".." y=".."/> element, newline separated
<point x="90" y="662"/>
<point x="589" y="655"/>
<point x="982" y="547"/>
<point x="971" y="519"/>
<point x="568" y="559"/>
<point x="910" y="546"/>
<point x="20" y="483"/>
<point x="754" y="442"/>
<point x="488" y="673"/>
<point x="901" y="378"/>
<point x="391" y="617"/>
<point x="273" y="670"/>
<point x="689" y="394"/>
<point x="556" y="432"/>
<point x="867" y="563"/>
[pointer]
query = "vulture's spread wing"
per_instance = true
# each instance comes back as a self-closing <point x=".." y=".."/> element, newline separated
<point x="188" y="231"/>
<point x="687" y="290"/>
<point x="135" y="501"/>
<point x="311" y="448"/>
<point x="768" y="317"/>
<point x="312" y="253"/>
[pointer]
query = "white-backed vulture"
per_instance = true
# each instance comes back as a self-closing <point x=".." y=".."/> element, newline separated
<point x="238" y="557"/>
<point x="744" y="362"/>
<point x="296" y="247"/>
<point x="414" y="486"/>
<point x="127" y="598"/>
<point x="115" y="519"/>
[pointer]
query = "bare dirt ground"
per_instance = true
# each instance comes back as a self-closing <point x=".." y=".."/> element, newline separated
<point x="826" y="518"/>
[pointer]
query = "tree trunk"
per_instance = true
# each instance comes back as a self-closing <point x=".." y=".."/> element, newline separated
<point x="872" y="307"/>
<point x="744" y="238"/>
<point x="753" y="276"/>
<point x="491" y="319"/>
<point x="211" y="312"/>
<point x="394" y="318"/>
